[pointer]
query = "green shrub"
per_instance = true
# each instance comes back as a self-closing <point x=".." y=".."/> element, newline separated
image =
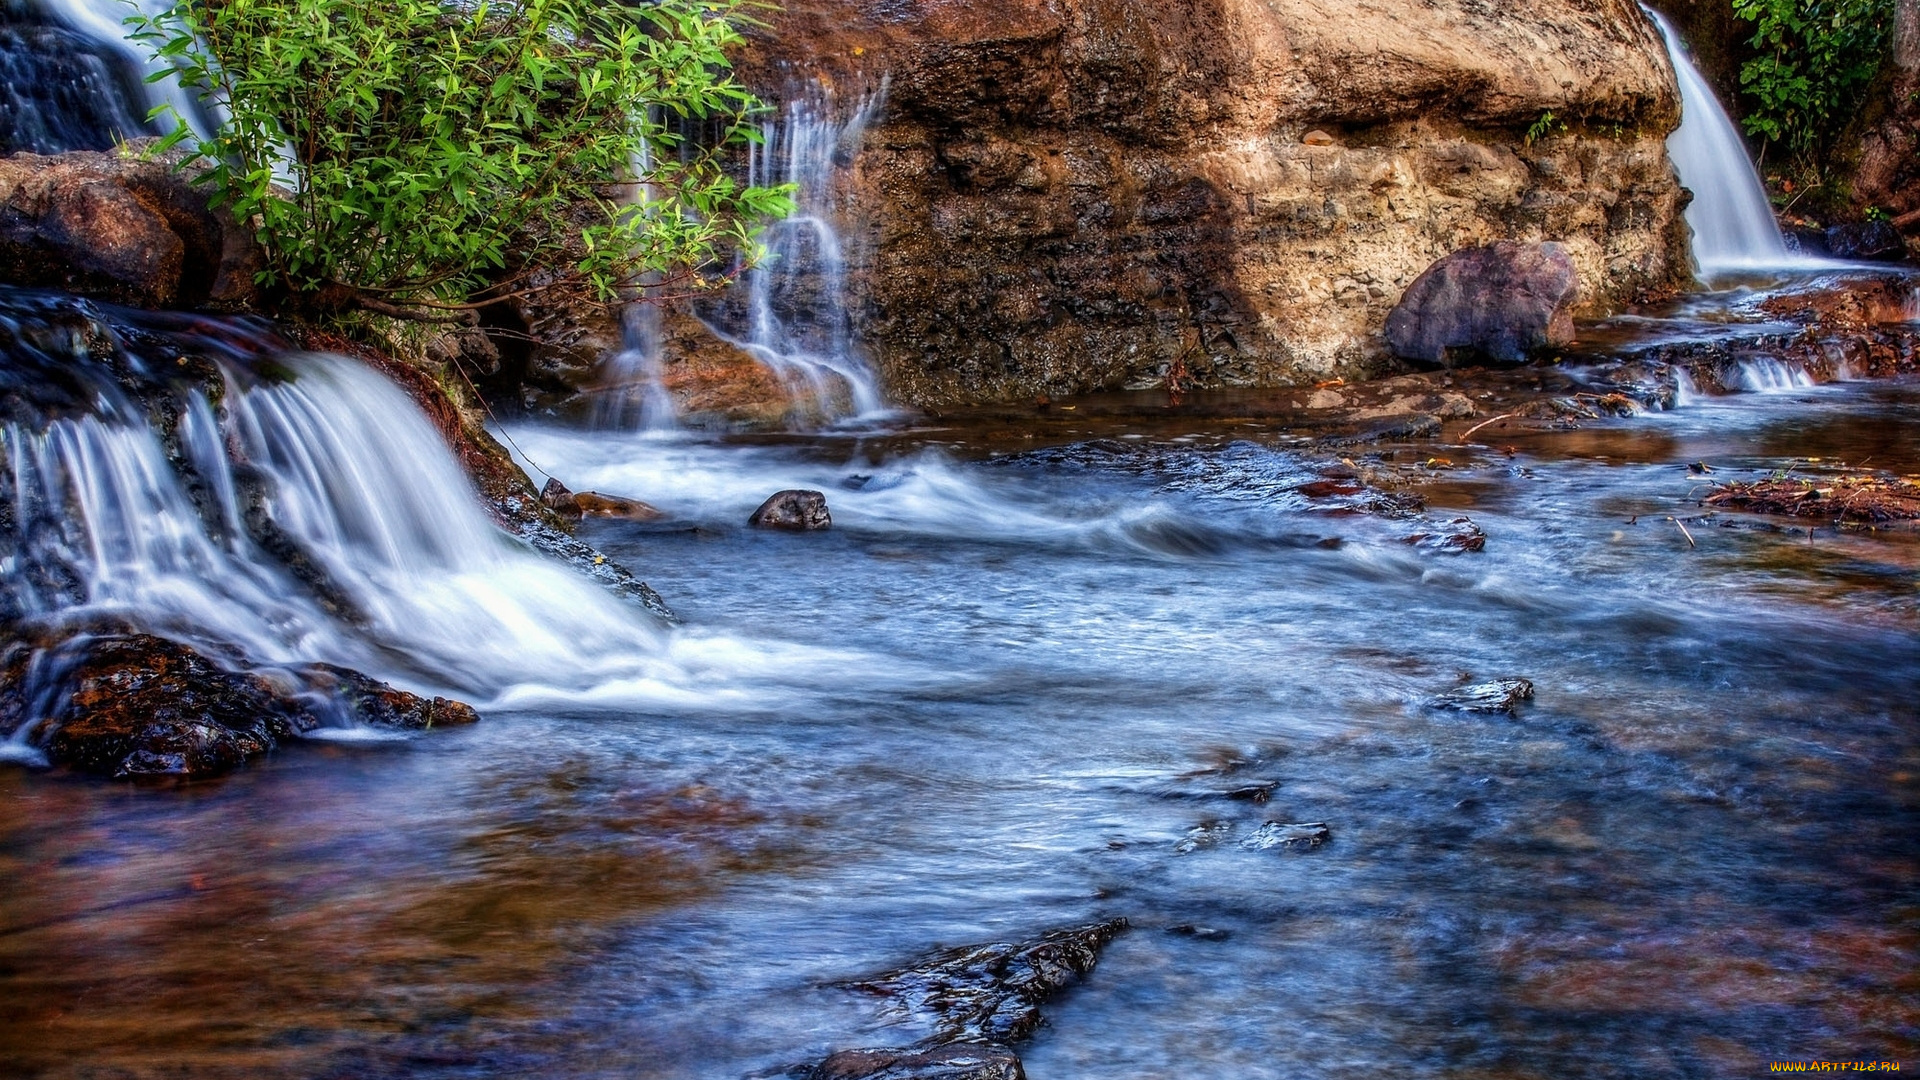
<point x="1817" y="60"/>
<point x="423" y="158"/>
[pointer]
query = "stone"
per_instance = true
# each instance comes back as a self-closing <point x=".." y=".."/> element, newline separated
<point x="1499" y="695"/>
<point x="1870" y="240"/>
<point x="1505" y="302"/>
<point x="1061" y="198"/>
<point x="556" y="497"/>
<point x="797" y="511"/>
<point x="129" y="704"/>
<point x="947" y="1061"/>
<point x="1201" y="837"/>
<point x="1274" y="835"/>
<point x="118" y="226"/>
<point x="597" y="504"/>
<point x="1316" y="137"/>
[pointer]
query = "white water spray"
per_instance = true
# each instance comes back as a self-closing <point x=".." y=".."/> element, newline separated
<point x="1733" y="224"/>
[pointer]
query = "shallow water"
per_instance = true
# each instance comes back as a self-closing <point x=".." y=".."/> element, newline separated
<point x="1009" y="682"/>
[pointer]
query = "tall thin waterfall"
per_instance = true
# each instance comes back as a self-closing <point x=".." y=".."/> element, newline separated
<point x="74" y="82"/>
<point x="791" y="312"/>
<point x="1733" y="224"/>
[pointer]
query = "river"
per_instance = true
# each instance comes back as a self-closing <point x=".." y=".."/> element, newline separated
<point x="997" y="697"/>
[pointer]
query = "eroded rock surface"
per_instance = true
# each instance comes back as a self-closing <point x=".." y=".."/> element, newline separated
<point x="124" y="704"/>
<point x="1069" y="195"/>
<point x="1504" y="302"/>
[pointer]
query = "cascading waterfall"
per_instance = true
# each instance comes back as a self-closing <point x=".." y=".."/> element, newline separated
<point x="74" y="82"/>
<point x="791" y="312"/>
<point x="304" y="510"/>
<point x="1733" y="223"/>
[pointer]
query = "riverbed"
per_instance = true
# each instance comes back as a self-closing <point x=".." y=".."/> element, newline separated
<point x="1030" y="683"/>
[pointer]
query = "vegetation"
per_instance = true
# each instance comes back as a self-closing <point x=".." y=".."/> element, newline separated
<point x="1817" y="60"/>
<point x="421" y="159"/>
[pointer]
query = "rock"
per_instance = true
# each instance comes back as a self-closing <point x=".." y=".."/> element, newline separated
<point x="1805" y="241"/>
<point x="556" y="497"/>
<point x="1458" y="534"/>
<point x="1504" y="302"/>
<point x="596" y="504"/>
<point x="948" y="1061"/>
<point x="125" y="704"/>
<point x="1304" y="836"/>
<point x="1063" y="198"/>
<point x="116" y="226"/>
<point x="1871" y="240"/>
<point x="1201" y="837"/>
<point x="799" y="511"/>
<point x="1316" y="137"/>
<point x="1199" y="933"/>
<point x="982" y="997"/>
<point x="1500" y="695"/>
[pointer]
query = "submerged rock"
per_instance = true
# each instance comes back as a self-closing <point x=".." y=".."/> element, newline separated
<point x="1500" y="695"/>
<point x="798" y="511"/>
<point x="1286" y="837"/>
<point x="1504" y="302"/>
<point x="982" y="998"/>
<point x="124" y="704"/>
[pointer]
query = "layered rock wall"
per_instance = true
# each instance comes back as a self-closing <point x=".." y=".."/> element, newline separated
<point x="1071" y="195"/>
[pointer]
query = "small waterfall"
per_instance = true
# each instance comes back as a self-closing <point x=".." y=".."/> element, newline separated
<point x="74" y="82"/>
<point x="1733" y="224"/>
<point x="1685" y="391"/>
<point x="299" y="507"/>
<point x="1763" y="375"/>
<point x="791" y="312"/>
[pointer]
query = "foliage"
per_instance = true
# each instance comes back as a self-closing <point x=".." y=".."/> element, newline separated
<point x="1545" y="126"/>
<point x="1816" y="60"/>
<point x="414" y="156"/>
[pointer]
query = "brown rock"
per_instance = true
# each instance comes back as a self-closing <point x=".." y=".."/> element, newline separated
<point x="1062" y="197"/>
<point x="594" y="504"/>
<point x="119" y="227"/>
<point x="139" y="705"/>
<point x="1504" y="302"/>
<point x="1316" y="137"/>
<point x="556" y="497"/>
<point x="798" y="511"/>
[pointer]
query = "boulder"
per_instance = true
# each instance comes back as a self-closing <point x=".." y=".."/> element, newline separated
<point x="598" y="504"/>
<point x="1504" y="302"/>
<point x="1871" y="240"/>
<point x="118" y="226"/>
<point x="558" y="498"/>
<point x="799" y="511"/>
<point x="128" y="704"/>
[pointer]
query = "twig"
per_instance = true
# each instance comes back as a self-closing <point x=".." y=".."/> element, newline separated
<point x="1684" y="532"/>
<point x="1468" y="434"/>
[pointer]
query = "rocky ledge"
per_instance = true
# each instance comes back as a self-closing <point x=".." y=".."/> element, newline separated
<point x="127" y="704"/>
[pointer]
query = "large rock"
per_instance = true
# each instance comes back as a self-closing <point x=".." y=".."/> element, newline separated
<point x="795" y="511"/>
<point x="122" y="704"/>
<point x="122" y="227"/>
<point x="1503" y="302"/>
<point x="1874" y="240"/>
<point x="1068" y="195"/>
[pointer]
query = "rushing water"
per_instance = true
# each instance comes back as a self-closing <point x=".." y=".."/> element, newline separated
<point x="72" y="80"/>
<point x="1733" y="225"/>
<point x="994" y="699"/>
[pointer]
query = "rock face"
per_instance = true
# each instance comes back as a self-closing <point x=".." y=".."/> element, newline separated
<point x="1503" y="302"/>
<point x="1069" y="195"/>
<point x="137" y="705"/>
<point x="797" y="511"/>
<point x="119" y="227"/>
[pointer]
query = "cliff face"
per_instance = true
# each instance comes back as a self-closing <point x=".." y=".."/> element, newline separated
<point x="1070" y="195"/>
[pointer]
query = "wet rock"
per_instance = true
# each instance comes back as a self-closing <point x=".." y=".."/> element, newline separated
<point x="1805" y="241"/>
<point x="1199" y="933"/>
<point x="949" y="1061"/>
<point x="117" y="226"/>
<point x="597" y="504"/>
<point x="556" y="497"/>
<point x="1856" y="498"/>
<point x="798" y="511"/>
<point x="1499" y="695"/>
<point x="981" y="998"/>
<point x="1201" y="837"/>
<point x="123" y="704"/>
<point x="1870" y="240"/>
<point x="1459" y="534"/>
<point x="1274" y="835"/>
<point x="1504" y="302"/>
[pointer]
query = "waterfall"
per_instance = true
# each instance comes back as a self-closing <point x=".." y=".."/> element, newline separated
<point x="299" y="507"/>
<point x="74" y="82"/>
<point x="1733" y="223"/>
<point x="790" y="312"/>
